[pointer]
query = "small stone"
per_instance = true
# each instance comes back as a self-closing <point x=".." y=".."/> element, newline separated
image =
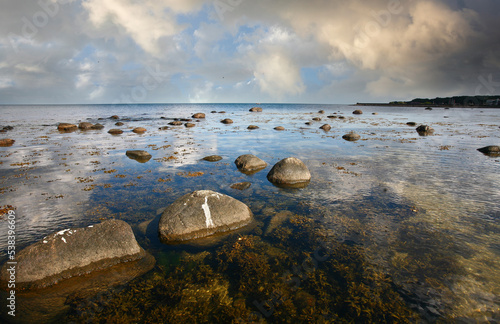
<point x="139" y="155"/>
<point x="253" y="127"/>
<point x="199" y="115"/>
<point x="66" y="127"/>
<point x="351" y="137"/>
<point x="332" y="116"/>
<point x="256" y="109"/>
<point x="326" y="127"/>
<point x="222" y="112"/>
<point x="139" y="130"/>
<point x="115" y="131"/>
<point x="6" y="142"/>
<point x="85" y="126"/>
<point x="249" y="163"/>
<point x="428" y="108"/>
<point x="357" y="112"/>
<point x="97" y="126"/>
<point x="119" y="124"/>
<point x="213" y="112"/>
<point x="411" y="124"/>
<point x="189" y="125"/>
<point x="164" y="128"/>
<point x="279" y="128"/>
<point x="321" y="112"/>
<point x="176" y="123"/>
<point x="424" y="130"/>
<point x="115" y="117"/>
<point x="241" y="185"/>
<point x="374" y="113"/>
<point x="316" y="119"/>
<point x="212" y="158"/>
<point x="227" y="121"/>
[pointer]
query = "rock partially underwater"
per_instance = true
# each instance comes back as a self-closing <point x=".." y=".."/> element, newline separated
<point x="200" y="214"/>
<point x="491" y="150"/>
<point x="289" y="173"/>
<point x="139" y="155"/>
<point x="74" y="252"/>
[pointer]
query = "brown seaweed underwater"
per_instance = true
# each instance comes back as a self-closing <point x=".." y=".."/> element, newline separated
<point x="294" y="274"/>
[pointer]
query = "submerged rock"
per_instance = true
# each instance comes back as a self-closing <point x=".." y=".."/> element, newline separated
<point x="200" y="214"/>
<point x="74" y="252"/>
<point x="424" y="130"/>
<point x="249" y="163"/>
<point x="6" y="142"/>
<point x="199" y="115"/>
<point x="139" y="155"/>
<point x="289" y="172"/>
<point x="212" y="158"/>
<point x="256" y="109"/>
<point x="66" y="127"/>
<point x="491" y="150"/>
<point x="226" y="121"/>
<point x="351" y="137"/>
<point x="241" y="185"/>
<point x="115" y="131"/>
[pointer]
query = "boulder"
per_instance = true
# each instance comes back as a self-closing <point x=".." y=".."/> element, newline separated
<point x="357" y="112"/>
<point x="200" y="214"/>
<point x="6" y="142"/>
<point x="97" y="126"/>
<point x="115" y="131"/>
<point x="256" y="109"/>
<point x="424" y="130"/>
<point x="326" y="127"/>
<point x="351" y="137"/>
<point x="119" y="124"/>
<point x="115" y="117"/>
<point x="189" y="125"/>
<point x="212" y="158"/>
<point x="316" y="119"/>
<point x="139" y="155"/>
<point x="279" y="128"/>
<point x="249" y="163"/>
<point x="321" y="112"/>
<point x="74" y="252"/>
<point x="289" y="172"/>
<point x="199" y="115"/>
<point x="241" y="185"/>
<point x="139" y="130"/>
<point x="226" y="121"/>
<point x="66" y="127"/>
<point x="491" y="150"/>
<point x="176" y="123"/>
<point x="253" y="127"/>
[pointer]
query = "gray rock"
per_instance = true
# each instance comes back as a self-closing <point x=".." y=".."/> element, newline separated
<point x="351" y="137"/>
<point x="139" y="155"/>
<point x="424" y="130"/>
<point x="74" y="252"/>
<point x="212" y="158"/>
<point x="289" y="172"/>
<point x="200" y="214"/>
<point x="491" y="150"/>
<point x="249" y="163"/>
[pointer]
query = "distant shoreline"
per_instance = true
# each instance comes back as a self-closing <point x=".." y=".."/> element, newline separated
<point x="417" y="105"/>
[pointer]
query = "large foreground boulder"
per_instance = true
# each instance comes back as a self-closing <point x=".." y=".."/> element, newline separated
<point x="289" y="172"/>
<point x="200" y="214"/>
<point x="74" y="252"/>
<point x="249" y="163"/>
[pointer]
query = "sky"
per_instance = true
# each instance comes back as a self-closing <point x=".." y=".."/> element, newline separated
<point x="255" y="51"/>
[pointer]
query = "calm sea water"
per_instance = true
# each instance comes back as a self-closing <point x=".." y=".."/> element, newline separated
<point x="417" y="205"/>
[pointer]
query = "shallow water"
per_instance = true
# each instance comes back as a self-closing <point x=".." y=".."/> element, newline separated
<point x="424" y="209"/>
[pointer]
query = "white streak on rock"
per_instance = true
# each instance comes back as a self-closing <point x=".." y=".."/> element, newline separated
<point x="208" y="216"/>
<point x="45" y="242"/>
<point x="64" y="240"/>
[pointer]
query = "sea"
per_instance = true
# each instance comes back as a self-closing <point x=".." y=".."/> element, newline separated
<point x="410" y="224"/>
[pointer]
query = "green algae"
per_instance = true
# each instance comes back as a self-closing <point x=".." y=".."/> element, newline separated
<point x="295" y="274"/>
